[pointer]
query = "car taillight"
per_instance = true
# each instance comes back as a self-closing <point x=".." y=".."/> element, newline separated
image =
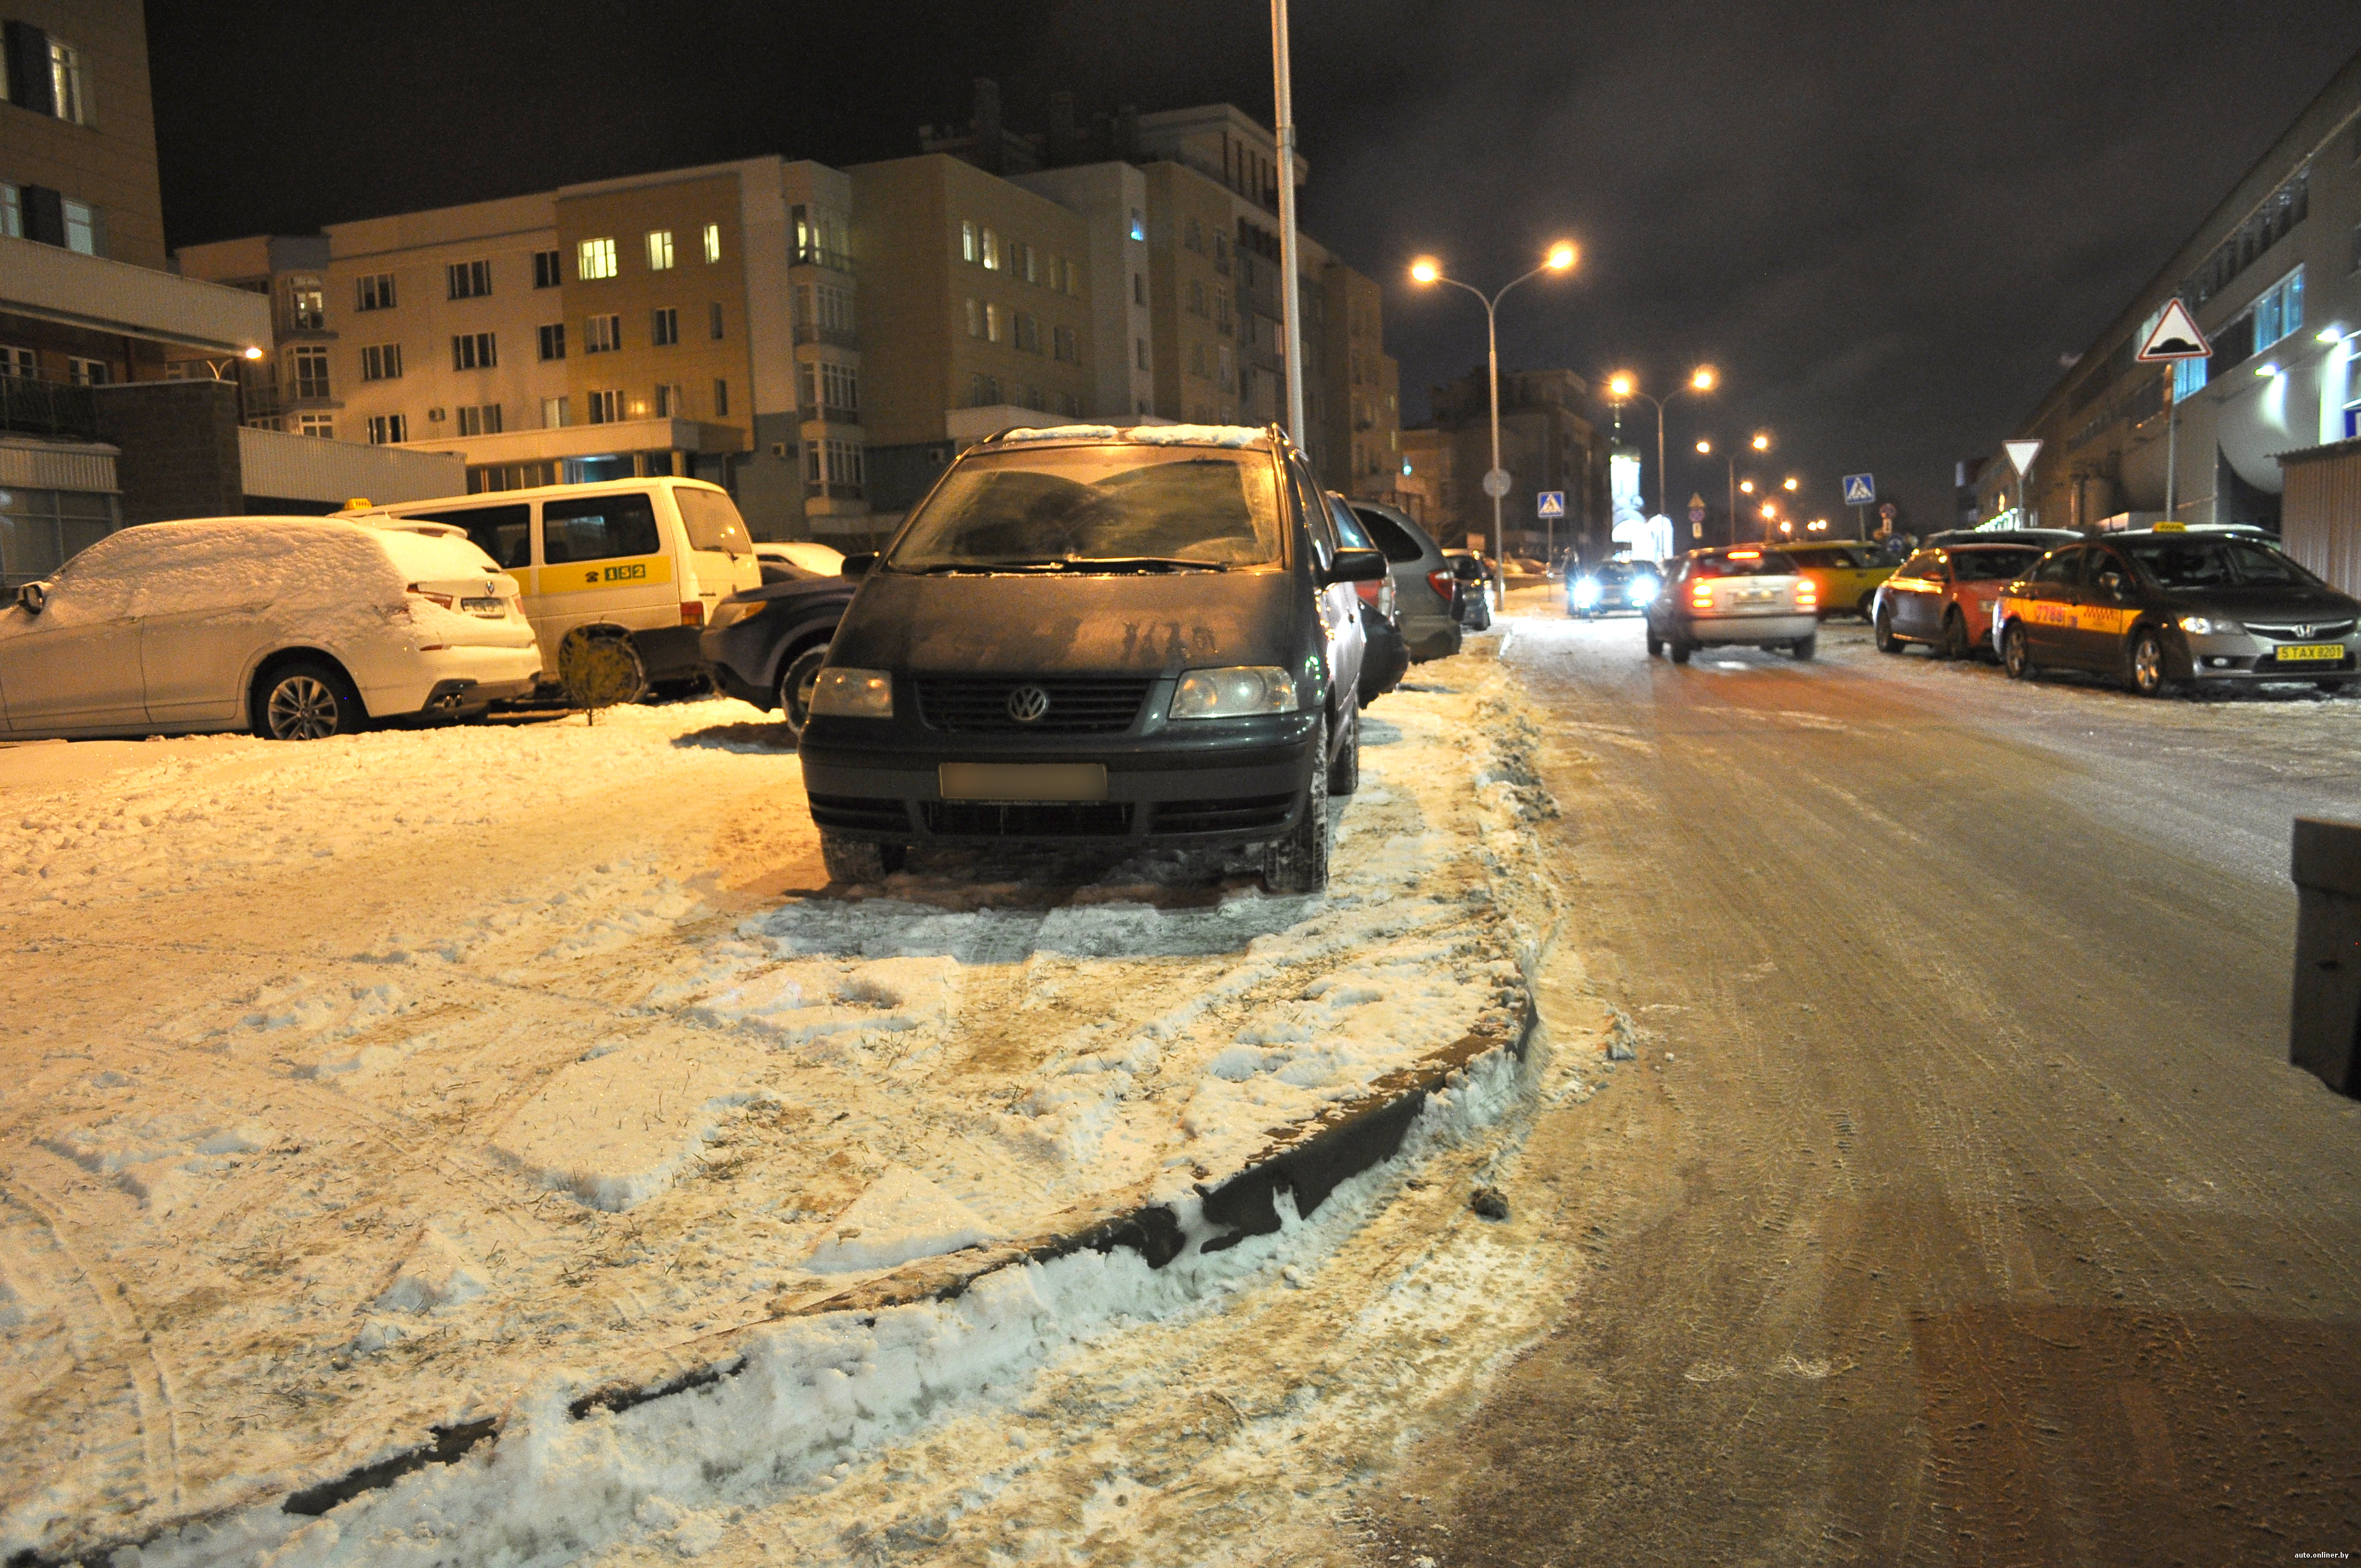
<point x="1701" y="597"/>
<point x="692" y="612"/>
<point x="1443" y="584"/>
<point x="1808" y="596"/>
<point x="445" y="600"/>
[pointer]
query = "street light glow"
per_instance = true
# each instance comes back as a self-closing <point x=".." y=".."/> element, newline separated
<point x="1746" y="485"/>
<point x="1425" y="270"/>
<point x="250" y="352"/>
<point x="1790" y="481"/>
<point x="1762" y="441"/>
<point x="1704" y="378"/>
<point x="1769" y="512"/>
<point x="1706" y="449"/>
<point x="1562" y="256"/>
<point x="1620" y="385"/>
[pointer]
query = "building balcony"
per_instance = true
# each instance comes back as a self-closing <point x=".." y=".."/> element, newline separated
<point x="825" y="414"/>
<point x="588" y="441"/>
<point x="834" y="336"/>
<point x="64" y="286"/>
<point x="818" y="490"/>
<point x="820" y="256"/>
<point x="29" y="406"/>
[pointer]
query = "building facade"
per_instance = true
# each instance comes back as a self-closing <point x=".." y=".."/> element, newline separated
<point x="1547" y="443"/>
<point x="2273" y="277"/>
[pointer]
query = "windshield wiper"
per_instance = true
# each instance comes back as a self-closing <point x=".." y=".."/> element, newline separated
<point x="1142" y="564"/>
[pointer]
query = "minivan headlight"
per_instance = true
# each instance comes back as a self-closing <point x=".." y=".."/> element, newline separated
<point x="854" y="694"/>
<point x="1585" y="591"/>
<point x="1234" y="693"/>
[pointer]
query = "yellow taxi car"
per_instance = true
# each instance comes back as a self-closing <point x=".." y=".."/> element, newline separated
<point x="1846" y="574"/>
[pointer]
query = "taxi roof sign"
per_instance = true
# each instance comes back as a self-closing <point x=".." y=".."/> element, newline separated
<point x="2175" y="337"/>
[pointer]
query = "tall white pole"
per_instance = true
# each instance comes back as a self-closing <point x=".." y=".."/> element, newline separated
<point x="2172" y="444"/>
<point x="1492" y="347"/>
<point x="1290" y="290"/>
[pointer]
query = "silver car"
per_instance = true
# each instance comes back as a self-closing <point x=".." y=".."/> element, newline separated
<point x="1425" y="594"/>
<point x="1742" y="595"/>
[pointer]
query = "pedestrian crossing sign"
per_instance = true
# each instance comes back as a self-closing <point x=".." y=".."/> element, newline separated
<point x="1552" y="503"/>
<point x="1860" y="489"/>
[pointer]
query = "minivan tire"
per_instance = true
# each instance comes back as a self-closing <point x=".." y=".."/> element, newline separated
<point x="305" y="699"/>
<point x="1805" y="647"/>
<point x="1344" y="772"/>
<point x="1299" y="862"/>
<point x="601" y="669"/>
<point x="1681" y="651"/>
<point x="859" y="859"/>
<point x="796" y="683"/>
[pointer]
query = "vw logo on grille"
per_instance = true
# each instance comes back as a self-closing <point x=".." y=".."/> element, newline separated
<point x="1028" y="704"/>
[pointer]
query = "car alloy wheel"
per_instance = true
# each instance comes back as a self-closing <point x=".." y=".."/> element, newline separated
<point x="2147" y="664"/>
<point x="796" y="684"/>
<point x="300" y="708"/>
<point x="1955" y="635"/>
<point x="2015" y="656"/>
<point x="1884" y="622"/>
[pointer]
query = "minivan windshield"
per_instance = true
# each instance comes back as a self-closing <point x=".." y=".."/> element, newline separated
<point x="1111" y="507"/>
<point x="712" y="520"/>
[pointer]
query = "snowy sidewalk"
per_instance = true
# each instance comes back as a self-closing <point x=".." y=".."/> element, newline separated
<point x="398" y="1084"/>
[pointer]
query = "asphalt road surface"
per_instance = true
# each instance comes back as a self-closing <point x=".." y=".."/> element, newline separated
<point x="1964" y="1208"/>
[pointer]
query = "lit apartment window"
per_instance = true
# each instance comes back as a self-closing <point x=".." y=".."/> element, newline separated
<point x="381" y="362"/>
<point x="389" y="430"/>
<point x="720" y="398"/>
<point x="481" y="420"/>
<point x="2280" y="312"/>
<point x="821" y="237"/>
<point x="991" y="251"/>
<point x="712" y="242"/>
<point x="324" y="426"/>
<point x="474" y="351"/>
<point x="68" y="91"/>
<point x="660" y="251"/>
<point x="995" y="324"/>
<point x="664" y="327"/>
<point x="310" y="364"/>
<point x="552" y="413"/>
<point x="713" y="320"/>
<point x="1138" y="225"/>
<point x="967" y="241"/>
<point x="545" y="271"/>
<point x="469" y="280"/>
<point x="1028" y="333"/>
<point x="594" y="260"/>
<point x="552" y="340"/>
<point x="602" y="334"/>
<point x="81" y="226"/>
<point x="12" y="211"/>
<point x="307" y="305"/>
<point x="88" y="372"/>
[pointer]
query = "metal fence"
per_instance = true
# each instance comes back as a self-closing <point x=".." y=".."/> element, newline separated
<point x="48" y="407"/>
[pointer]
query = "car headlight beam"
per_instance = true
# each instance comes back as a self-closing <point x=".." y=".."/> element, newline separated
<point x="853" y="693"/>
<point x="1585" y="591"/>
<point x="2210" y="626"/>
<point x="1232" y="693"/>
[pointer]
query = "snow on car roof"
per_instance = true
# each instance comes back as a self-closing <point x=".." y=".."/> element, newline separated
<point x="1146" y="434"/>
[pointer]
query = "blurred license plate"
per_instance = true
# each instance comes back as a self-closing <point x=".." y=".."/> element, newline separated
<point x="2294" y="652"/>
<point x="1022" y="781"/>
<point x="490" y="606"/>
<point x="1757" y="596"/>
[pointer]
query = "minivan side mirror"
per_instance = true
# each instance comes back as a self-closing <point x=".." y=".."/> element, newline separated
<point x="860" y="563"/>
<point x="32" y="596"/>
<point x="1355" y="566"/>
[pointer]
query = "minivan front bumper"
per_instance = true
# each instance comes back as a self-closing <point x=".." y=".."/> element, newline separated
<point x="1213" y="782"/>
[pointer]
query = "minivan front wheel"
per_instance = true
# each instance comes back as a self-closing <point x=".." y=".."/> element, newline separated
<point x="308" y="700"/>
<point x="1299" y="862"/>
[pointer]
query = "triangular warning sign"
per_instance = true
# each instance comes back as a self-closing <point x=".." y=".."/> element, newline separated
<point x="2175" y="337"/>
<point x="2022" y="454"/>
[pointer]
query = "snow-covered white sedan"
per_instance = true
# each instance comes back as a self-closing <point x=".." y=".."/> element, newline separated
<point x="294" y="627"/>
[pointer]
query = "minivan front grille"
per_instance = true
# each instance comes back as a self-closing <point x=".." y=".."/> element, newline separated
<point x="1074" y="705"/>
<point x="1027" y="819"/>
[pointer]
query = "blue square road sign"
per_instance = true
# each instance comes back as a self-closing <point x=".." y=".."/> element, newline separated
<point x="1860" y="489"/>
<point x="1552" y="503"/>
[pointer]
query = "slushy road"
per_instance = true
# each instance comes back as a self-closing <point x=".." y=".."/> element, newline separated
<point x="1968" y="1211"/>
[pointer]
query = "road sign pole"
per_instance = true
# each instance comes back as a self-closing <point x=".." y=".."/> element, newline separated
<point x="1860" y="523"/>
<point x="2172" y="443"/>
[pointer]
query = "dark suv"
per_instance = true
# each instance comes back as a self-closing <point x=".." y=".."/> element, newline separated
<point x="1093" y="635"/>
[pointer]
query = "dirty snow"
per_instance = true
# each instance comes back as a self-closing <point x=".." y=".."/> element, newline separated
<point x="396" y="1082"/>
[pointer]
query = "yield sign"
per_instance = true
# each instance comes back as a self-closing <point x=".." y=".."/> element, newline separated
<point x="2022" y="454"/>
<point x="2175" y="337"/>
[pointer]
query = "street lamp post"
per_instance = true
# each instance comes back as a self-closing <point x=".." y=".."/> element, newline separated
<point x="1622" y="385"/>
<point x="1760" y="443"/>
<point x="1427" y="272"/>
<point x="1289" y="288"/>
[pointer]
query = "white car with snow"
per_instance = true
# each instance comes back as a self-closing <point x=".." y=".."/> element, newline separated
<point x="294" y="627"/>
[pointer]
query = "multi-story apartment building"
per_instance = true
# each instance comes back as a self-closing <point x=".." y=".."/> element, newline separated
<point x="120" y="382"/>
<point x="2273" y="277"/>
<point x="695" y="322"/>
<point x="1547" y="443"/>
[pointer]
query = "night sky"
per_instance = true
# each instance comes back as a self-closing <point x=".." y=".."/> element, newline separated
<point x="1884" y="224"/>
